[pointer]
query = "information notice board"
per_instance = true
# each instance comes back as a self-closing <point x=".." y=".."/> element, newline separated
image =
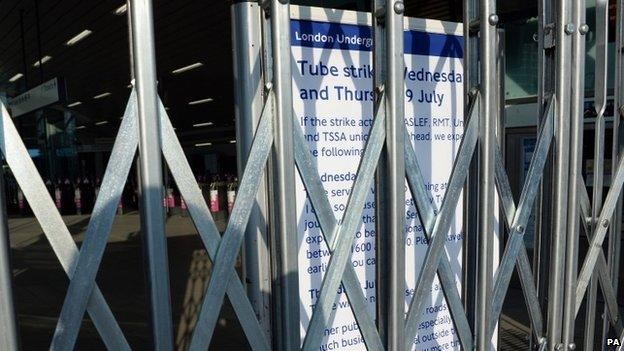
<point x="333" y="102"/>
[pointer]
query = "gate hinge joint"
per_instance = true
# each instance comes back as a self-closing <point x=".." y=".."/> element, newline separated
<point x="380" y="15"/>
<point x="550" y="36"/>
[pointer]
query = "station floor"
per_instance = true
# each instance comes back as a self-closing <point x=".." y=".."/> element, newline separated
<point x="40" y="286"/>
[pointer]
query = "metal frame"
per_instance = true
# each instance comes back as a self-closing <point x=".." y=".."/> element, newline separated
<point x="269" y="138"/>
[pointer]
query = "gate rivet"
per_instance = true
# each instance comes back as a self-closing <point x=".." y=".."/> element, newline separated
<point x="571" y="346"/>
<point x="583" y="29"/>
<point x="493" y="19"/>
<point x="621" y="111"/>
<point x="520" y="229"/>
<point x="570" y="28"/>
<point x="605" y="223"/>
<point x="541" y="340"/>
<point x="268" y="86"/>
<point x="559" y="347"/>
<point x="399" y="7"/>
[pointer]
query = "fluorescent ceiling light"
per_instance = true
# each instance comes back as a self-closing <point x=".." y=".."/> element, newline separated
<point x="197" y="102"/>
<point x="81" y="127"/>
<point x="101" y="123"/>
<point x="232" y="141"/>
<point x="205" y="124"/>
<point x="102" y="95"/>
<point x="203" y="144"/>
<point x="43" y="60"/>
<point x="121" y="10"/>
<point x="16" y="77"/>
<point x="85" y="33"/>
<point x="74" y="104"/>
<point x="187" y="68"/>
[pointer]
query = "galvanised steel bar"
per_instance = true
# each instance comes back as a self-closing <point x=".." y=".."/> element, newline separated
<point x="441" y="226"/>
<point x="615" y="236"/>
<point x="576" y="162"/>
<point x="382" y="255"/>
<point x="471" y="195"/>
<point x="225" y="259"/>
<point x="345" y="235"/>
<point x="150" y="166"/>
<point x="595" y="248"/>
<point x="515" y="244"/>
<point x="563" y="29"/>
<point x="28" y="179"/>
<point x="248" y="105"/>
<point x="487" y="125"/>
<point x="426" y="213"/>
<point x="543" y="213"/>
<point x="322" y="208"/>
<point x="395" y="174"/>
<point x="8" y="319"/>
<point x="198" y="209"/>
<point x="590" y="315"/>
<point x="283" y="174"/>
<point x="98" y="230"/>
<point x="608" y="291"/>
<point x="600" y="102"/>
<point x="523" y="265"/>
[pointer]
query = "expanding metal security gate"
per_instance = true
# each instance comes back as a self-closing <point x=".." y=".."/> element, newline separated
<point x="268" y="135"/>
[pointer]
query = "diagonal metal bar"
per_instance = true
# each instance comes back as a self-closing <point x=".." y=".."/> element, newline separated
<point x="342" y="240"/>
<point x="98" y="230"/>
<point x="595" y="247"/>
<point x="441" y="227"/>
<point x="198" y="209"/>
<point x="60" y="239"/>
<point x="600" y="102"/>
<point x="322" y="208"/>
<point x="426" y="212"/>
<point x="234" y="234"/>
<point x="523" y="265"/>
<point x="515" y="243"/>
<point x="601" y="264"/>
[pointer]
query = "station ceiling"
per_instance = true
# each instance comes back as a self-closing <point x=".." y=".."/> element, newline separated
<point x="187" y="32"/>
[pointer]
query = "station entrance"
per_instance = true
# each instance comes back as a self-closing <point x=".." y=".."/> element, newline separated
<point x="291" y="176"/>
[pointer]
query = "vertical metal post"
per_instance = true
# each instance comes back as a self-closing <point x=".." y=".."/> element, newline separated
<point x="8" y="324"/>
<point x="395" y="174"/>
<point x="471" y="198"/>
<point x="382" y="252"/>
<point x="487" y="141"/>
<point x="248" y="104"/>
<point x="563" y="29"/>
<point x="576" y="163"/>
<point x="546" y="69"/>
<point x="600" y="103"/>
<point x="283" y="191"/>
<point x="615" y="235"/>
<point x="150" y="165"/>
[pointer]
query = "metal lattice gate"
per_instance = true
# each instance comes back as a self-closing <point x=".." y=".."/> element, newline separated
<point x="273" y="149"/>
